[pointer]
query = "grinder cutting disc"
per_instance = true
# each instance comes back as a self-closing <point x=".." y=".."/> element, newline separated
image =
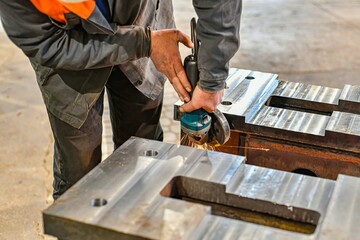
<point x="219" y="132"/>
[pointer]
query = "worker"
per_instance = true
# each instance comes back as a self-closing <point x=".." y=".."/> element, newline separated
<point x="79" y="48"/>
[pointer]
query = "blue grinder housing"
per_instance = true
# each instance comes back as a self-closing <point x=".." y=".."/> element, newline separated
<point x="196" y="124"/>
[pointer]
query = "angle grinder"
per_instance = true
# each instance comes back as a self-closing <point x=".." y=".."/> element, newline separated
<point x="200" y="126"/>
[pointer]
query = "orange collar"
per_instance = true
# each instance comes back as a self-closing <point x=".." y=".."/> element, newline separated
<point x="57" y="8"/>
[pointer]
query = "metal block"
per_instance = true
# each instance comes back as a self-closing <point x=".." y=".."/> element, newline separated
<point x="153" y="190"/>
<point x="281" y="124"/>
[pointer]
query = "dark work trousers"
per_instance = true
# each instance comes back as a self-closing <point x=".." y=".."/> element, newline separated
<point x="77" y="151"/>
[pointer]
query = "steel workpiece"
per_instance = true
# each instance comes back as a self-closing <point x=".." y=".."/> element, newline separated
<point x="153" y="190"/>
<point x="292" y="126"/>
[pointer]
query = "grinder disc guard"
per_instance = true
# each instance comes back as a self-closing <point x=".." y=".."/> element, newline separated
<point x="219" y="132"/>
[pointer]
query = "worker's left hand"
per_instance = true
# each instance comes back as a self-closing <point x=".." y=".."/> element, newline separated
<point x="166" y="58"/>
<point x="201" y="99"/>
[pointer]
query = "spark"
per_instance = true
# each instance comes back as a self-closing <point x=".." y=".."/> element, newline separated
<point x="185" y="140"/>
<point x="252" y="148"/>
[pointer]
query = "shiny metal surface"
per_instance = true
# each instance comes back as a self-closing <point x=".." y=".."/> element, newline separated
<point x="247" y="91"/>
<point x="255" y="102"/>
<point x="307" y="92"/>
<point x="304" y="108"/>
<point x="243" y="96"/>
<point x="293" y="121"/>
<point x="344" y="205"/>
<point x="346" y="123"/>
<point x="351" y="93"/>
<point x="290" y="120"/>
<point x="129" y="196"/>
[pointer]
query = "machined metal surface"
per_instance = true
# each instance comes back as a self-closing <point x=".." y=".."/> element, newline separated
<point x="143" y="191"/>
<point x="292" y="122"/>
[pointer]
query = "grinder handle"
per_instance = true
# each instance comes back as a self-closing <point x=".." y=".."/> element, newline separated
<point x="190" y="62"/>
<point x="192" y="71"/>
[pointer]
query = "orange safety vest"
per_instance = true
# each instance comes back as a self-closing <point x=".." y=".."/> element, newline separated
<point x="57" y="8"/>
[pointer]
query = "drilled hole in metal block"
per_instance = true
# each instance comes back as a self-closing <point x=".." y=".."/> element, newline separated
<point x="98" y="202"/>
<point x="150" y="153"/>
<point x="227" y="103"/>
<point x="250" y="78"/>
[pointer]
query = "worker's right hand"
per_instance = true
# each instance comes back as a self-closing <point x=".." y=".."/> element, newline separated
<point x="202" y="99"/>
<point x="166" y="58"/>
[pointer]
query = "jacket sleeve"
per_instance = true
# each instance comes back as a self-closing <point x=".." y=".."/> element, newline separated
<point x="218" y="30"/>
<point x="74" y="49"/>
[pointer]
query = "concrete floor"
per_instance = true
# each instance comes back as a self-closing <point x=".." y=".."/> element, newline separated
<point x="312" y="41"/>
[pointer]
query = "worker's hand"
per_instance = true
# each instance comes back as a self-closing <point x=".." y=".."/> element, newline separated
<point x="166" y="58"/>
<point x="200" y="99"/>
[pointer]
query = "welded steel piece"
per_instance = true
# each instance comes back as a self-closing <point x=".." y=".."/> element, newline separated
<point x="153" y="190"/>
<point x="302" y="126"/>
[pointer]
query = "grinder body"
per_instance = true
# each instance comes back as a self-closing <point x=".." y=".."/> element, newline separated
<point x="196" y="124"/>
<point x="200" y="126"/>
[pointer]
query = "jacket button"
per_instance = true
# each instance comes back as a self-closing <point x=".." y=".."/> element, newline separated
<point x="138" y="83"/>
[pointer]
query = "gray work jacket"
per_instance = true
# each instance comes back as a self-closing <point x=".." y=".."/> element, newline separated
<point x="73" y="61"/>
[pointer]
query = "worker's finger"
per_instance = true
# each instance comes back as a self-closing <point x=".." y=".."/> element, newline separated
<point x="188" y="107"/>
<point x="191" y="106"/>
<point x="209" y="108"/>
<point x="180" y="73"/>
<point x="178" y="87"/>
<point x="185" y="39"/>
<point x="180" y="90"/>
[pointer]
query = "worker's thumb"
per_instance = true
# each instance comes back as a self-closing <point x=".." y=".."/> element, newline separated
<point x="187" y="107"/>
